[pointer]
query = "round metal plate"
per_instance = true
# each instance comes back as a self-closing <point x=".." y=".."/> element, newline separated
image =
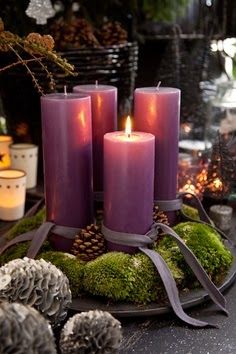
<point x="189" y="299"/>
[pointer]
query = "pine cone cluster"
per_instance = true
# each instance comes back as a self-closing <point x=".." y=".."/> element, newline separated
<point x="112" y="33"/>
<point x="36" y="283"/>
<point x="24" y="330"/>
<point x="91" y="332"/>
<point x="89" y="243"/>
<point x="159" y="216"/>
<point x="78" y="33"/>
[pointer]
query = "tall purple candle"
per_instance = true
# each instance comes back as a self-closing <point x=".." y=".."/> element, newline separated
<point x="128" y="182"/>
<point x="157" y="111"/>
<point x="67" y="150"/>
<point x="104" y="120"/>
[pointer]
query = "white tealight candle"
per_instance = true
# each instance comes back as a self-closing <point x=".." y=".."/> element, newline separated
<point x="25" y="157"/>
<point x="12" y="194"/>
<point x="221" y="215"/>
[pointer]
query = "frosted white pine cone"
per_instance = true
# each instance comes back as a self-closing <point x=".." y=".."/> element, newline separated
<point x="23" y="330"/>
<point x="91" y="332"/>
<point x="36" y="283"/>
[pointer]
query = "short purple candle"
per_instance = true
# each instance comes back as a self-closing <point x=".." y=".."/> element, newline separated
<point x="157" y="111"/>
<point x="128" y="182"/>
<point x="104" y="120"/>
<point x="67" y="150"/>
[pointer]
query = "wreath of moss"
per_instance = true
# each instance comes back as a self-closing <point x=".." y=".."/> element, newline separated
<point x="133" y="278"/>
<point x="123" y="277"/>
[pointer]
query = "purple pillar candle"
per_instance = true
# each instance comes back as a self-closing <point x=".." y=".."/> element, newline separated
<point x="104" y="120"/>
<point x="157" y="111"/>
<point x="67" y="150"/>
<point x="128" y="182"/>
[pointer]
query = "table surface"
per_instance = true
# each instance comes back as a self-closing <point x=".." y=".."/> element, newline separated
<point x="167" y="335"/>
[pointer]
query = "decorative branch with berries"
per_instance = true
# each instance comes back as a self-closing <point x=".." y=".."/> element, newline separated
<point x="38" y="49"/>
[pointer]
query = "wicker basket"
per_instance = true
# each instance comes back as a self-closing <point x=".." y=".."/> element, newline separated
<point x="116" y="65"/>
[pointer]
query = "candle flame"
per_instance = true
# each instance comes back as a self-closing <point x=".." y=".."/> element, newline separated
<point x="128" y="127"/>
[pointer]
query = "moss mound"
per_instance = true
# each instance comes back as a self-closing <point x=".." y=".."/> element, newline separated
<point x="27" y="224"/>
<point x="70" y="266"/>
<point x="207" y="246"/>
<point x="190" y="212"/>
<point x="124" y="277"/>
<point x="19" y="251"/>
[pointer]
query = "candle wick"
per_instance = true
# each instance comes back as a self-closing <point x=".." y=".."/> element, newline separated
<point x="158" y="85"/>
<point x="129" y="135"/>
<point x="96" y="83"/>
<point x="65" y="90"/>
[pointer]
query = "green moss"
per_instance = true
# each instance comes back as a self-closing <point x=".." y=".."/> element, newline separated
<point x="207" y="246"/>
<point x="109" y="276"/>
<point x="124" y="277"/>
<point x="190" y="212"/>
<point x="26" y="224"/>
<point x="70" y="266"/>
<point x="19" y="251"/>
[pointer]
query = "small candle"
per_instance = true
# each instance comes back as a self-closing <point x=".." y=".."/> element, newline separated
<point x="104" y="120"/>
<point x="12" y="194"/>
<point x="67" y="149"/>
<point x="5" y="161"/>
<point x="157" y="111"/>
<point x="221" y="215"/>
<point x="25" y="157"/>
<point x="128" y="181"/>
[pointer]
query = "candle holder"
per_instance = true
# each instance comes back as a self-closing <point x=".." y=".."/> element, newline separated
<point x="25" y="157"/>
<point x="192" y="174"/>
<point x="5" y="141"/>
<point x="12" y="194"/>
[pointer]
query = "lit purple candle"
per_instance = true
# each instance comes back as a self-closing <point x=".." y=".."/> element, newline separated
<point x="104" y="120"/>
<point x="67" y="148"/>
<point x="157" y="111"/>
<point x="128" y="182"/>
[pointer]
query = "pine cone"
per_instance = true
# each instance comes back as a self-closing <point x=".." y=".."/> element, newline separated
<point x="36" y="283"/>
<point x="75" y="34"/>
<point x="89" y="243"/>
<point x="112" y="33"/>
<point x="24" y="330"/>
<point x="160" y="216"/>
<point x="91" y="332"/>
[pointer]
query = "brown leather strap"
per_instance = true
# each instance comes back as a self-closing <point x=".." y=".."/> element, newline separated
<point x="39" y="237"/>
<point x="28" y="236"/>
<point x="143" y="241"/>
